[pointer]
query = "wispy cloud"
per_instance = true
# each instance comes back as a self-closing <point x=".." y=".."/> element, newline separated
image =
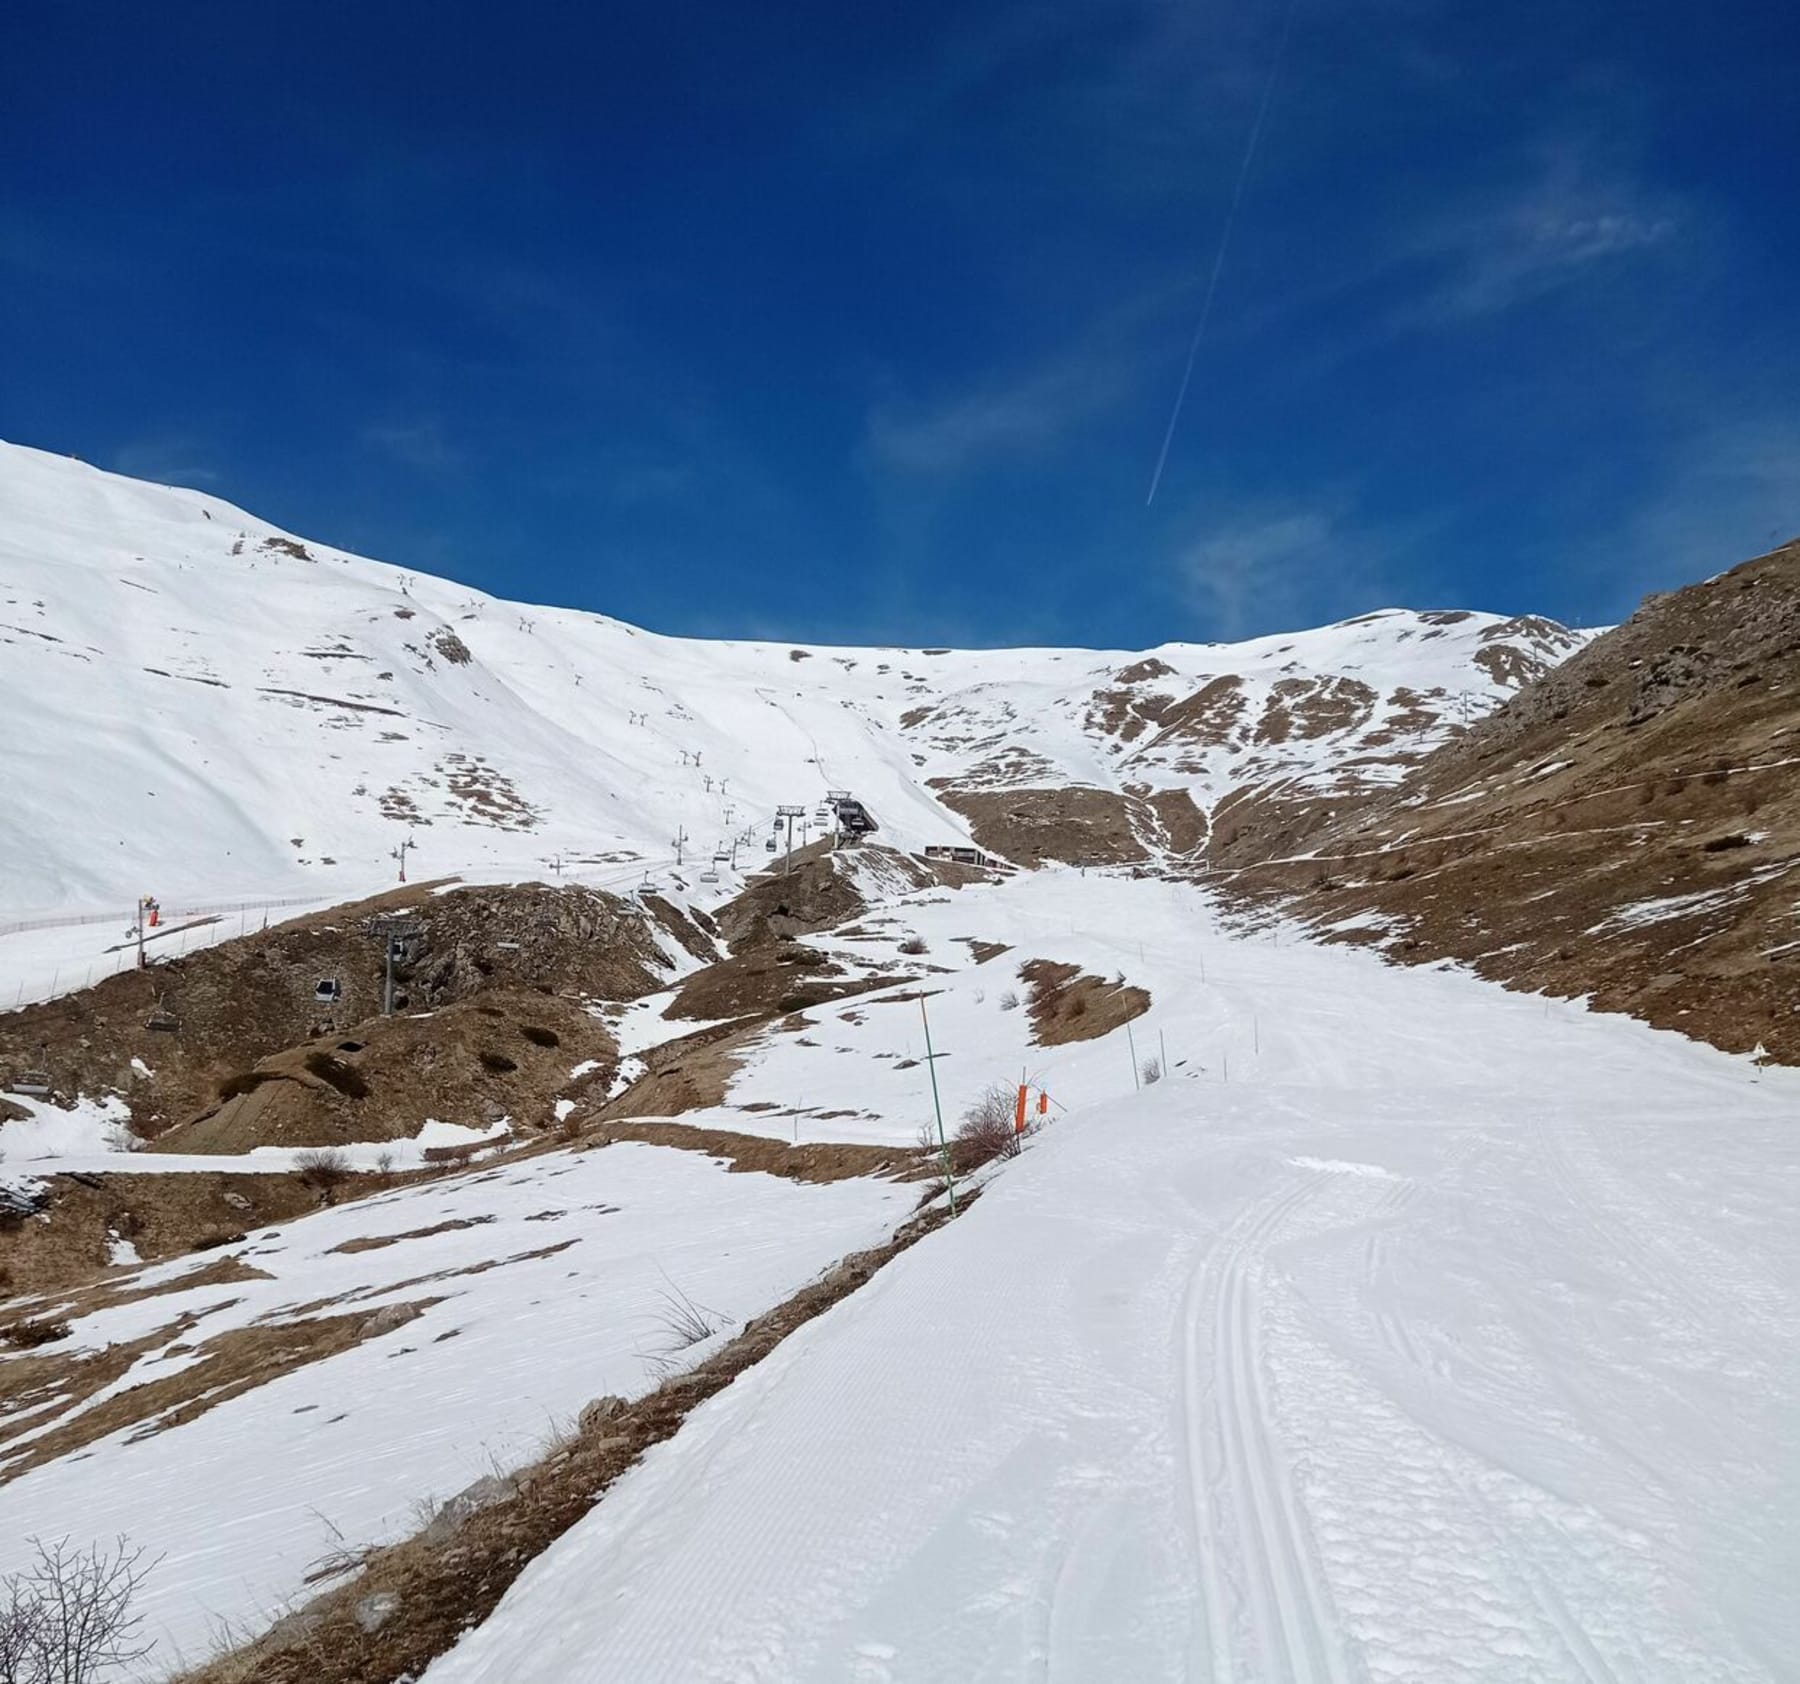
<point x="1019" y="417"/>
<point x="420" y="444"/>
<point x="166" y="459"/>
<point x="1269" y="567"/>
<point x="1571" y="218"/>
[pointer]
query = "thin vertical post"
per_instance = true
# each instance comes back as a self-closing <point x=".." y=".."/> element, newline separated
<point x="937" y="1106"/>
<point x="1137" y="1081"/>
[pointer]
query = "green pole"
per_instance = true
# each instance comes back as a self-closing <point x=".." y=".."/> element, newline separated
<point x="938" y="1107"/>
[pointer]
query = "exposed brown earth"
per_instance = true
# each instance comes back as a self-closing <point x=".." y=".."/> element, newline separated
<point x="779" y="977"/>
<point x="199" y="1020"/>
<point x="227" y="1365"/>
<point x="697" y="942"/>
<point x="782" y="905"/>
<point x="1067" y="1004"/>
<point x="690" y="1073"/>
<point x="380" y="1242"/>
<point x="504" y="1054"/>
<point x="1627" y="827"/>
<point x="817" y="1161"/>
<point x="451" y="1576"/>
<point x="1031" y="826"/>
<point x="1184" y="827"/>
<point x="162" y="1216"/>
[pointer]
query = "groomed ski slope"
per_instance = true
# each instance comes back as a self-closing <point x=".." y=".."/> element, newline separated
<point x="1453" y="1338"/>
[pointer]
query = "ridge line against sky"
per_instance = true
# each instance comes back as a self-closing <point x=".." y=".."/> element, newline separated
<point x="862" y="327"/>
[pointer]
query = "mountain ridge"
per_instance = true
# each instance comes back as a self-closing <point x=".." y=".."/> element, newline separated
<point x="222" y="707"/>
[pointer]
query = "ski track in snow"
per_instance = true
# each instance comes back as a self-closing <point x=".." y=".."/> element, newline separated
<point x="1450" y="1341"/>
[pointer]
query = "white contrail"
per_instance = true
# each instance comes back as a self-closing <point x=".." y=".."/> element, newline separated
<point x="1212" y="284"/>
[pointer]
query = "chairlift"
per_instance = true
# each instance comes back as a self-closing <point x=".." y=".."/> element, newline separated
<point x="769" y="846"/>
<point x="162" y="1020"/>
<point x="709" y="875"/>
<point x="328" y="991"/>
<point x="33" y="1084"/>
<point x="722" y="856"/>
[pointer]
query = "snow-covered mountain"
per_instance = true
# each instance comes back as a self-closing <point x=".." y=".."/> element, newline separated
<point x="201" y="705"/>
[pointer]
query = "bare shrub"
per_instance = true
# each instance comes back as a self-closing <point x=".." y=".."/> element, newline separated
<point x="1009" y="1001"/>
<point x="323" y="1169"/>
<point x="384" y="1164"/>
<point x="914" y="945"/>
<point x="1152" y="1071"/>
<point x="67" y="1619"/>
<point x="987" y="1130"/>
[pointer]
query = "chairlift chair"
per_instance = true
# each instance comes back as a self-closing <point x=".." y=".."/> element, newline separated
<point x="328" y="991"/>
<point x="709" y="875"/>
<point x="33" y="1084"/>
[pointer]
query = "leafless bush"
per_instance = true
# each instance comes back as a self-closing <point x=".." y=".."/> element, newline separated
<point x="67" y="1618"/>
<point x="987" y="1130"/>
<point x="384" y="1163"/>
<point x="1152" y="1071"/>
<point x="1009" y="1001"/>
<point x="323" y="1169"/>
<point x="914" y="945"/>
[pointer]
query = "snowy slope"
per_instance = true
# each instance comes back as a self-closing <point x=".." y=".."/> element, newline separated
<point x="1409" y="1331"/>
<point x="206" y="708"/>
<point x="533" y="1288"/>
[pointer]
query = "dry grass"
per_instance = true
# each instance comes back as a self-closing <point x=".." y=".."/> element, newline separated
<point x="379" y="1242"/>
<point x="230" y="1363"/>
<point x="28" y="1335"/>
<point x="1067" y="1004"/>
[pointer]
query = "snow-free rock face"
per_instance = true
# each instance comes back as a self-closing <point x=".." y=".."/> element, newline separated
<point x="203" y="706"/>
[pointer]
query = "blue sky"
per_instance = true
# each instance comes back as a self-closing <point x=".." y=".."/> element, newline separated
<point x="863" y="322"/>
